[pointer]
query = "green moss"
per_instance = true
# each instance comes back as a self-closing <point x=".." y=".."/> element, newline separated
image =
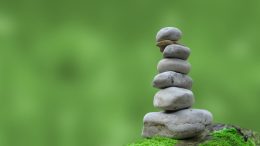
<point x="155" y="141"/>
<point x="227" y="137"/>
<point x="224" y="137"/>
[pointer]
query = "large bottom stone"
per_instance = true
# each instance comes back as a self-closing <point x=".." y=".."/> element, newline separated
<point x="182" y="124"/>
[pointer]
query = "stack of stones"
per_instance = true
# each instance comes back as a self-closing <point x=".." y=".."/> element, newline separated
<point x="177" y="120"/>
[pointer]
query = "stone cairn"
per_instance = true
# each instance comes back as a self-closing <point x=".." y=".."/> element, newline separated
<point x="177" y="120"/>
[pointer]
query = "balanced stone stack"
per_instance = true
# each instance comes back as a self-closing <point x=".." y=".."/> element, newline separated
<point x="177" y="120"/>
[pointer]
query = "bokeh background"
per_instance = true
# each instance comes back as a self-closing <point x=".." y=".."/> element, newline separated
<point x="79" y="73"/>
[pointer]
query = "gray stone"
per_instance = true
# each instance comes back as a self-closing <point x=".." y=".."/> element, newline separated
<point x="172" y="79"/>
<point x="176" y="51"/>
<point x="168" y="33"/>
<point x="173" y="64"/>
<point x="182" y="124"/>
<point x="173" y="99"/>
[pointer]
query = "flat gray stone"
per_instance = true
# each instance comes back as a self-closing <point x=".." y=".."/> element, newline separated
<point x="168" y="33"/>
<point x="182" y="124"/>
<point x="176" y="51"/>
<point x="172" y="79"/>
<point x="173" y="99"/>
<point x="173" y="64"/>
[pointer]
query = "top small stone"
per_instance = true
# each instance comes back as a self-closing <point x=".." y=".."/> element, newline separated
<point x="168" y="33"/>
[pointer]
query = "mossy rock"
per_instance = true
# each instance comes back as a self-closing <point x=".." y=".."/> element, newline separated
<point x="214" y="135"/>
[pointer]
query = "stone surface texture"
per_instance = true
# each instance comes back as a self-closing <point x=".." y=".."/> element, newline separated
<point x="172" y="79"/>
<point x="179" y="125"/>
<point x="176" y="51"/>
<point x="168" y="33"/>
<point x="173" y="98"/>
<point x="173" y="64"/>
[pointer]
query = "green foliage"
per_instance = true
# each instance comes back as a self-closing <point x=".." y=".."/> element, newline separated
<point x="155" y="141"/>
<point x="227" y="137"/>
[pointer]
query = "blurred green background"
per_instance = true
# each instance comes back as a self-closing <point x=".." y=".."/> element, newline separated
<point x="79" y="73"/>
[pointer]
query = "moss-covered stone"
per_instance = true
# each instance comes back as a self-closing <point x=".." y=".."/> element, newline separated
<point x="155" y="141"/>
<point x="228" y="137"/>
<point x="214" y="135"/>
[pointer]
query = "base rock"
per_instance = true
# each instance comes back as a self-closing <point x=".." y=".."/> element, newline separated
<point x="182" y="124"/>
<point x="236" y="137"/>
